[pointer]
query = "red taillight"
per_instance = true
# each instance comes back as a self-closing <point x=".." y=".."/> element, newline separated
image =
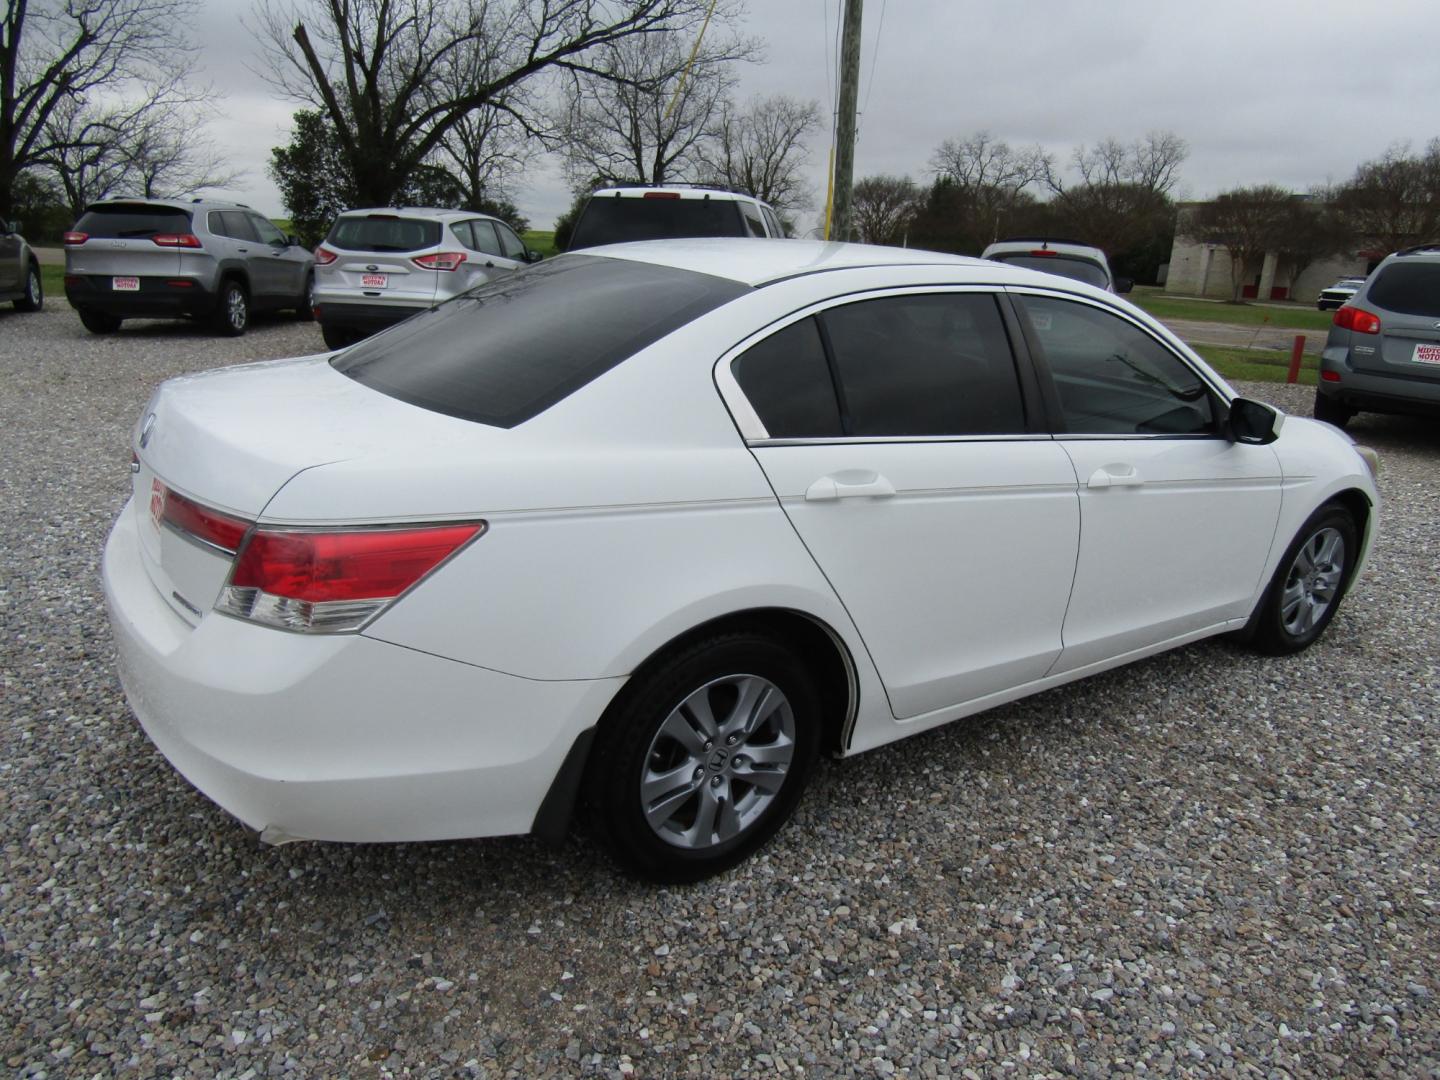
<point x="1045" y="253"/>
<point x="1357" y="319"/>
<point x="75" y="239"/>
<point x="189" y="517"/>
<point x="440" y="260"/>
<point x="180" y="283"/>
<point x="661" y="195"/>
<point x="313" y="581"/>
<point x="324" y="256"/>
<point x="176" y="240"/>
<point x="1330" y="376"/>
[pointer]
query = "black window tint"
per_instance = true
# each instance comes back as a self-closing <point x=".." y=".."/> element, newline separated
<point x="215" y="222"/>
<point x="754" y="223"/>
<point x="1408" y="288"/>
<point x="937" y="364"/>
<point x="787" y="381"/>
<point x="510" y="244"/>
<point x="1064" y="265"/>
<point x="506" y="351"/>
<point x="611" y="220"/>
<point x="132" y="221"/>
<point x="1112" y="377"/>
<point x="238" y="226"/>
<point x="383" y="232"/>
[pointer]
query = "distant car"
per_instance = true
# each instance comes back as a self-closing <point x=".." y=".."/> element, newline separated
<point x="1068" y="258"/>
<point x="1339" y="293"/>
<point x="1383" y="352"/>
<point x="377" y="267"/>
<point x="171" y="258"/>
<point x="19" y="270"/>
<point x="640" y="532"/>
<point x="616" y="215"/>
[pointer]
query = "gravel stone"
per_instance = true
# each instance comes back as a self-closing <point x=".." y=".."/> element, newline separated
<point x="1207" y="863"/>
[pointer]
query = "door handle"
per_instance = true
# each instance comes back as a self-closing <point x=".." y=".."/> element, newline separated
<point x="1117" y="475"/>
<point x="850" y="484"/>
<point x="243" y="251"/>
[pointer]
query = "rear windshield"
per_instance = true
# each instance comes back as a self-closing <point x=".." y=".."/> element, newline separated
<point x="1064" y="265"/>
<point x="610" y="219"/>
<point x="383" y="232"/>
<point x="506" y="351"/>
<point x="1408" y="288"/>
<point x="132" y="221"/>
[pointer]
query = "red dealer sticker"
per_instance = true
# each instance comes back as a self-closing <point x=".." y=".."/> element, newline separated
<point x="1427" y="354"/>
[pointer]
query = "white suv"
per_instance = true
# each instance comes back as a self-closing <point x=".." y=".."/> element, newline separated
<point x="1068" y="258"/>
<point x="377" y="267"/>
<point x="616" y="215"/>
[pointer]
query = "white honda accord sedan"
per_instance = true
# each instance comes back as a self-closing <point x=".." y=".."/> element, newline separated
<point x="637" y="533"/>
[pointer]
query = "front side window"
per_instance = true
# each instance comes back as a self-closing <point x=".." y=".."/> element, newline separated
<point x="269" y="234"/>
<point x="508" y="350"/>
<point x="238" y="226"/>
<point x="928" y="364"/>
<point x="1112" y="378"/>
<point x="776" y="229"/>
<point x="510" y="244"/>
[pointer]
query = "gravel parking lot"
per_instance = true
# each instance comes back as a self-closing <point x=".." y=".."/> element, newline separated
<point x="1203" y="863"/>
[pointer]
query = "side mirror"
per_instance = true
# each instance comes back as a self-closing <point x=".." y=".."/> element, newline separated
<point x="532" y="256"/>
<point x="1253" y="422"/>
<point x="293" y="240"/>
<point x="1124" y="284"/>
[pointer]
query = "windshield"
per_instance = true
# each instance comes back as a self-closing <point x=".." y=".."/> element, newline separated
<point x="383" y="232"/>
<point x="507" y="351"/>
<point x="610" y="219"/>
<point x="1065" y="265"/>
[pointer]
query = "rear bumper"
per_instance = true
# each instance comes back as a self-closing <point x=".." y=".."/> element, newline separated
<point x="337" y="737"/>
<point x="1369" y="392"/>
<point x="157" y="298"/>
<point x="369" y="317"/>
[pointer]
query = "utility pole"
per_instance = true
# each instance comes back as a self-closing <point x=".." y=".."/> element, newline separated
<point x="845" y="124"/>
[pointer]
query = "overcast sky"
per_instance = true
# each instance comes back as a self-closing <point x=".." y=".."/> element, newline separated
<point x="1292" y="92"/>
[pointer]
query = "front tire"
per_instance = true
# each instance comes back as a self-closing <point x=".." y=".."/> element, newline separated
<point x="34" y="298"/>
<point x="1308" y="584"/>
<point x="232" y="317"/>
<point x="704" y="756"/>
<point x="305" y="307"/>
<point x="338" y="337"/>
<point x="1331" y="411"/>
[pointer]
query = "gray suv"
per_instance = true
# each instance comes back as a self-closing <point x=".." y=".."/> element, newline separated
<point x="19" y="270"/>
<point x="379" y="266"/>
<point x="168" y="258"/>
<point x="1383" y="353"/>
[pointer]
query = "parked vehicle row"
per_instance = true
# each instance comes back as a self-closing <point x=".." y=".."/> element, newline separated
<point x="20" y="281"/>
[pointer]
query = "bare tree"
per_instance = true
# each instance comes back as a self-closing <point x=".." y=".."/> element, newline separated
<point x="645" y="115"/>
<point x="760" y="149"/>
<point x="486" y="151"/>
<point x="989" y="176"/>
<point x="1394" y="200"/>
<point x="1309" y="230"/>
<point x="884" y="208"/>
<point x="58" y="51"/>
<point x="393" y="77"/>
<point x="1247" y="223"/>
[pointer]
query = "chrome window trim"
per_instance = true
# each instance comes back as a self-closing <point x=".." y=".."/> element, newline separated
<point x="860" y="440"/>
<point x="748" y="421"/>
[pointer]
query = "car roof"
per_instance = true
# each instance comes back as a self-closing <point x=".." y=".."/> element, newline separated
<point x="683" y="191"/>
<point x="173" y="204"/>
<point x="435" y="212"/>
<point x="755" y="261"/>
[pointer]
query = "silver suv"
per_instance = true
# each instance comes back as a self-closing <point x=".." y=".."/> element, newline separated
<point x="168" y="258"/>
<point x="19" y="270"/>
<point x="615" y="215"/>
<point x="1383" y="353"/>
<point x="377" y="267"/>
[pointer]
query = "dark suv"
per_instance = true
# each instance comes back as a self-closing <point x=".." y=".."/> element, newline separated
<point x="1383" y="353"/>
<point x="164" y="258"/>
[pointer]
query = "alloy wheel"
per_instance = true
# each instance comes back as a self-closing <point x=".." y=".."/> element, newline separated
<point x="1313" y="581"/>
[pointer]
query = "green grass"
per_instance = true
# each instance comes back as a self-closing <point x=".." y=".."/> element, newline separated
<point x="52" y="280"/>
<point x="1164" y="306"/>
<point x="541" y="241"/>
<point x="1256" y="365"/>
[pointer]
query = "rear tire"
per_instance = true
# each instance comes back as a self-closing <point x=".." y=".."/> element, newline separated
<point x="1330" y="411"/>
<point x="98" y="322"/>
<point x="337" y="337"/>
<point x="704" y="756"/>
<point x="305" y="309"/>
<point x="1308" y="584"/>
<point x="232" y="316"/>
<point x="34" y="298"/>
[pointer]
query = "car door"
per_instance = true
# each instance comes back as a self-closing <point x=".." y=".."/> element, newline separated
<point x="899" y="438"/>
<point x="1176" y="519"/>
<point x="246" y="246"/>
<point x="285" y="263"/>
<point x="11" y="267"/>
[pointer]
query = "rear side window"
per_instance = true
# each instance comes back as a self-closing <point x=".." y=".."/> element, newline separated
<point x="787" y="381"/>
<point x="753" y="221"/>
<point x="478" y="236"/>
<point x="937" y="364"/>
<point x="1407" y="288"/>
<point x="132" y="221"/>
<point x="610" y="219"/>
<point x="1064" y="265"/>
<point x="383" y="232"/>
<point x="508" y="350"/>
